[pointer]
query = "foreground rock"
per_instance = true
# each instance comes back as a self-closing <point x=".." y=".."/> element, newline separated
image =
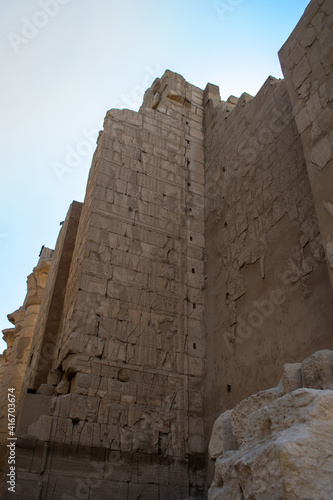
<point x="286" y="446"/>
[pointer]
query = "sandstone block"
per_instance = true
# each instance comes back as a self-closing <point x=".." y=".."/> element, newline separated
<point x="317" y="370"/>
<point x="322" y="153"/>
<point x="241" y="413"/>
<point x="62" y="387"/>
<point x="46" y="390"/>
<point x="291" y="377"/>
<point x="222" y="439"/>
<point x="287" y="452"/>
<point x="42" y="428"/>
<point x="301" y="71"/>
<point x="54" y="376"/>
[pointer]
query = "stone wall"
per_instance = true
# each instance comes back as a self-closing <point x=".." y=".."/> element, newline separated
<point x="269" y="297"/>
<point x="14" y="358"/>
<point x="46" y="331"/>
<point x="307" y="61"/>
<point x="269" y="219"/>
<point x="197" y="266"/>
<point x="126" y="378"/>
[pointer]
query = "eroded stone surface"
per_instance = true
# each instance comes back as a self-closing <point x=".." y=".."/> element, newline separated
<point x="309" y="82"/>
<point x="196" y="267"/>
<point x="15" y="357"/>
<point x="222" y="438"/>
<point x="317" y="370"/>
<point x="241" y="413"/>
<point x="268" y="221"/>
<point x="286" y="450"/>
<point x="291" y="377"/>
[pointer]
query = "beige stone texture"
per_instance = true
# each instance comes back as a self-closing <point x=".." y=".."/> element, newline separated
<point x="241" y="413"/>
<point x="198" y="264"/>
<point x="286" y="445"/>
<point x="268" y="291"/>
<point x="222" y="438"/>
<point x="317" y="370"/>
<point x="291" y="377"/>
<point x="15" y="357"/>
<point x="309" y="82"/>
<point x="287" y="452"/>
<point x="128" y="349"/>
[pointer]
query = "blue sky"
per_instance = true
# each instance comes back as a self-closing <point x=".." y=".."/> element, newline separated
<point x="66" y="62"/>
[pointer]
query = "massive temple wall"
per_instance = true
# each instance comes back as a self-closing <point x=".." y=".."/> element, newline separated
<point x="129" y="355"/>
<point x="268" y="292"/>
<point x="307" y="60"/>
<point x="198" y="264"/>
<point x="47" y="327"/>
<point x="269" y="221"/>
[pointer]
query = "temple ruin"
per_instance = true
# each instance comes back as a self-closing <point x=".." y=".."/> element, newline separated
<point x="199" y="263"/>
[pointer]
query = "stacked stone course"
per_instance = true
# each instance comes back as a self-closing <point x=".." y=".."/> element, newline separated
<point x="198" y="264"/>
<point x="129" y="356"/>
<point x="306" y="60"/>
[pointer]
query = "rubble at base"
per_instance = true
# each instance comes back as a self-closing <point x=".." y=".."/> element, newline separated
<point x="284" y="448"/>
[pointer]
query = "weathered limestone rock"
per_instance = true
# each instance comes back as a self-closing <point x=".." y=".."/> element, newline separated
<point x="286" y="445"/>
<point x="14" y="360"/>
<point x="54" y="376"/>
<point x="241" y="413"/>
<point x="287" y="452"/>
<point x="317" y="370"/>
<point x="222" y="439"/>
<point x="174" y="293"/>
<point x="291" y="377"/>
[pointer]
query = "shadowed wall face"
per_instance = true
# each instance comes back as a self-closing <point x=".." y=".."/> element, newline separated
<point x="307" y="61"/>
<point x="269" y="296"/>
